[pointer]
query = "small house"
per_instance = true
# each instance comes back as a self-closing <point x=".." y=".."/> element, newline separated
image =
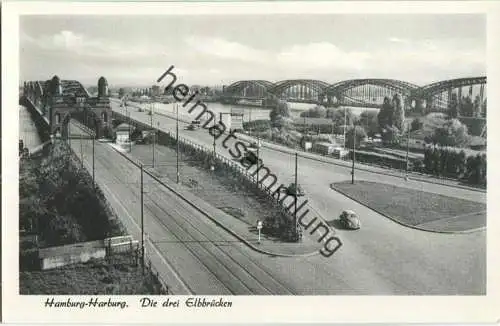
<point x="123" y="132"/>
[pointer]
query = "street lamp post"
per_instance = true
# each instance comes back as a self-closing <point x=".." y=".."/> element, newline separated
<point x="345" y="123"/>
<point x="177" y="140"/>
<point x="93" y="161"/>
<point x="213" y="134"/>
<point x="154" y="135"/>
<point x="296" y="191"/>
<point x="258" y="158"/>
<point x="353" y="152"/>
<point x="142" y="217"/>
<point x="407" y="152"/>
<point x="81" y="149"/>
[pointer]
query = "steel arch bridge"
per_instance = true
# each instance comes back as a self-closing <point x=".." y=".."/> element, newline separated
<point x="368" y="92"/>
<point x="249" y="89"/>
<point x="436" y="96"/>
<point x="299" y="90"/>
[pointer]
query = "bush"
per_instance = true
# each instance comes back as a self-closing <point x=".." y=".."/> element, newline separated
<point x="449" y="163"/>
<point x="59" y="201"/>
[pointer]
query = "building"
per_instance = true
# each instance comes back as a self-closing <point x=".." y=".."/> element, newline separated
<point x="123" y="133"/>
<point x="61" y="100"/>
<point x="155" y="90"/>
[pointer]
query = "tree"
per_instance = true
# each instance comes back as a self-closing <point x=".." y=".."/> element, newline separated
<point x="340" y="117"/>
<point x="391" y="135"/>
<point x="467" y="107"/>
<point x="419" y="106"/>
<point x="452" y="133"/>
<point x="477" y="106"/>
<point x="428" y="163"/>
<point x="279" y="110"/>
<point x="483" y="108"/>
<point x="398" y="114"/>
<point x="385" y="114"/>
<point x="317" y="112"/>
<point x="283" y="123"/>
<point x="369" y="120"/>
<point x="453" y="106"/>
<point x="121" y="92"/>
<point x="359" y="135"/>
<point x="416" y="124"/>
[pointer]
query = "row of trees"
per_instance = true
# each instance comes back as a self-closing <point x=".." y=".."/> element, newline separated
<point x="388" y="122"/>
<point x="453" y="164"/>
<point x="466" y="107"/>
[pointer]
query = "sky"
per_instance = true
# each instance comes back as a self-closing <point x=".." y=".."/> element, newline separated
<point x="222" y="49"/>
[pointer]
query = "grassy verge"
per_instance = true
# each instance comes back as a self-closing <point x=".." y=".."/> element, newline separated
<point x="417" y="208"/>
<point x="59" y="203"/>
<point x="220" y="188"/>
<point x="119" y="276"/>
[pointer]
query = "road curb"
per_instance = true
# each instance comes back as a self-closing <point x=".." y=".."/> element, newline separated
<point x="227" y="229"/>
<point x="412" y="176"/>
<point x="332" y="186"/>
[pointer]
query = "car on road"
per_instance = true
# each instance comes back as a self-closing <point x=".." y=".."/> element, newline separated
<point x="251" y="155"/>
<point x="255" y="144"/>
<point x="290" y="190"/>
<point x="350" y="220"/>
<point x="190" y="127"/>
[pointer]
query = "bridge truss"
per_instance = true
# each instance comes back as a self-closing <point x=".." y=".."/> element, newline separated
<point x="368" y="92"/>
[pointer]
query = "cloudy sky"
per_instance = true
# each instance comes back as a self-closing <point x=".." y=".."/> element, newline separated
<point x="209" y="49"/>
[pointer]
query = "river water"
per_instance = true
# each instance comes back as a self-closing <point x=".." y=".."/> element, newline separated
<point x="27" y="129"/>
<point x="249" y="113"/>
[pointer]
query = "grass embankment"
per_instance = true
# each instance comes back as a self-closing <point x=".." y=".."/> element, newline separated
<point x="417" y="208"/>
<point x="58" y="202"/>
<point x="220" y="188"/>
<point x="59" y="205"/>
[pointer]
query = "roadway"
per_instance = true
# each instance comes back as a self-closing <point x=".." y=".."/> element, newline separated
<point x="381" y="258"/>
<point x="196" y="255"/>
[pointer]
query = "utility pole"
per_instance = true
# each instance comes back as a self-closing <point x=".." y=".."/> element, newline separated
<point x="177" y="139"/>
<point x="407" y="152"/>
<point x="154" y="135"/>
<point x="129" y="132"/>
<point x="353" y="151"/>
<point x="214" y="139"/>
<point x="93" y="161"/>
<point x="258" y="157"/>
<point x="142" y="217"/>
<point x="81" y="149"/>
<point x="345" y="123"/>
<point x="296" y="192"/>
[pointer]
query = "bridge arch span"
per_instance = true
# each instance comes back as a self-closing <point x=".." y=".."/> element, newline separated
<point x="368" y="92"/>
<point x="300" y="90"/>
<point x="248" y="89"/>
<point x="445" y="85"/>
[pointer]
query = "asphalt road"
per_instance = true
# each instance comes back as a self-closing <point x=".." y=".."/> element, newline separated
<point x="381" y="258"/>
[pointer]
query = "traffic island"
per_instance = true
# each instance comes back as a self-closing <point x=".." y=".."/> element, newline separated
<point x="417" y="209"/>
<point x="224" y="199"/>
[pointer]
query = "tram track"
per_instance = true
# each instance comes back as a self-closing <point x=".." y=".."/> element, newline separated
<point x="229" y="265"/>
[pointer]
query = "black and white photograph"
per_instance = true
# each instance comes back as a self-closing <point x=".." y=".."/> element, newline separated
<point x="181" y="159"/>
